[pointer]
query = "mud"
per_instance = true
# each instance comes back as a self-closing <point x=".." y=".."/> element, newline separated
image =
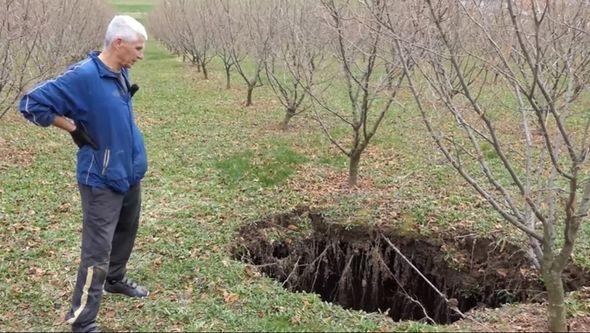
<point x="359" y="268"/>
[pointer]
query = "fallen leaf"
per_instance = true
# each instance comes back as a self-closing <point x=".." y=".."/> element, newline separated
<point x="36" y="273"/>
<point x="64" y="207"/>
<point x="230" y="298"/>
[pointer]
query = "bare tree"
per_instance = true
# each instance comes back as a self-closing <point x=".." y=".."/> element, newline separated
<point x="238" y="32"/>
<point x="16" y="46"/>
<point x="39" y="38"/>
<point x="176" y="25"/>
<point x="222" y="43"/>
<point x="369" y="80"/>
<point x="197" y="32"/>
<point x="162" y="21"/>
<point x="294" y="55"/>
<point x="250" y="33"/>
<point x="505" y="111"/>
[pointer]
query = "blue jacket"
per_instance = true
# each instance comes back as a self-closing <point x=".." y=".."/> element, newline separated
<point x="90" y="93"/>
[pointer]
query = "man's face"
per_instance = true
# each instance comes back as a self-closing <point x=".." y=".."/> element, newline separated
<point x="129" y="52"/>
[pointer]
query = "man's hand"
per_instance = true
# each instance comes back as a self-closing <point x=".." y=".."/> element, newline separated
<point x="81" y="138"/>
<point x="76" y="130"/>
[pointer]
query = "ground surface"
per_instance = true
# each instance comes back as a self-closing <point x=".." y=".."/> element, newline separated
<point x="214" y="166"/>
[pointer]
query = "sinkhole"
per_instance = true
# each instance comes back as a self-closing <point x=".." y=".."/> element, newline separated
<point x="373" y="269"/>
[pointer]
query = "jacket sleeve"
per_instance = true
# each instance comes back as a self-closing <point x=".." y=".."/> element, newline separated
<point x="61" y="96"/>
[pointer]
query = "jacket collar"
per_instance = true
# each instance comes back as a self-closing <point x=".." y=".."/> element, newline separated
<point x="103" y="70"/>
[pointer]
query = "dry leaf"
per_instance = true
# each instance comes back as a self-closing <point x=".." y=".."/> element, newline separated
<point x="230" y="298"/>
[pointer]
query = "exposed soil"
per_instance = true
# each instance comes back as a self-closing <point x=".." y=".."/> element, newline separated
<point x="369" y="268"/>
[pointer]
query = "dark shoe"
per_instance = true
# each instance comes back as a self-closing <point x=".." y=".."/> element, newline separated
<point x="126" y="287"/>
<point x="90" y="328"/>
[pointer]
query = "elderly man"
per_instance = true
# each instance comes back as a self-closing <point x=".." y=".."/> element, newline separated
<point x="92" y="101"/>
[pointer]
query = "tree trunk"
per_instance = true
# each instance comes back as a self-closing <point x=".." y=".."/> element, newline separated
<point x="554" y="285"/>
<point x="288" y="115"/>
<point x="249" y="98"/>
<point x="353" y="168"/>
<point x="196" y="62"/>
<point x="205" y="74"/>
<point x="227" y="78"/>
<point x="534" y="252"/>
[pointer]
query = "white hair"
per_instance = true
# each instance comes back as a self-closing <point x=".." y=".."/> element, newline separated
<point x="125" y="27"/>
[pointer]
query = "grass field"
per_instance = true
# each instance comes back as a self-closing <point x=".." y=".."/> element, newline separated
<point x="135" y="8"/>
<point x="214" y="166"/>
<point x="194" y="198"/>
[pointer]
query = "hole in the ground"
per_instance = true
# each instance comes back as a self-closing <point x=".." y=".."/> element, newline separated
<point x="280" y="250"/>
<point x="358" y="268"/>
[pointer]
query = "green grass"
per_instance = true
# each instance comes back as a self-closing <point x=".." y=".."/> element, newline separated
<point x="269" y="168"/>
<point x="135" y="8"/>
<point x="214" y="166"/>
<point x="209" y="173"/>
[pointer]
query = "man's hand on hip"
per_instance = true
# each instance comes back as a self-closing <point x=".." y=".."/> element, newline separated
<point x="76" y="130"/>
<point x="81" y="138"/>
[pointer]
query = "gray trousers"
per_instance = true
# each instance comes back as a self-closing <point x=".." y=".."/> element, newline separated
<point x="110" y="222"/>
